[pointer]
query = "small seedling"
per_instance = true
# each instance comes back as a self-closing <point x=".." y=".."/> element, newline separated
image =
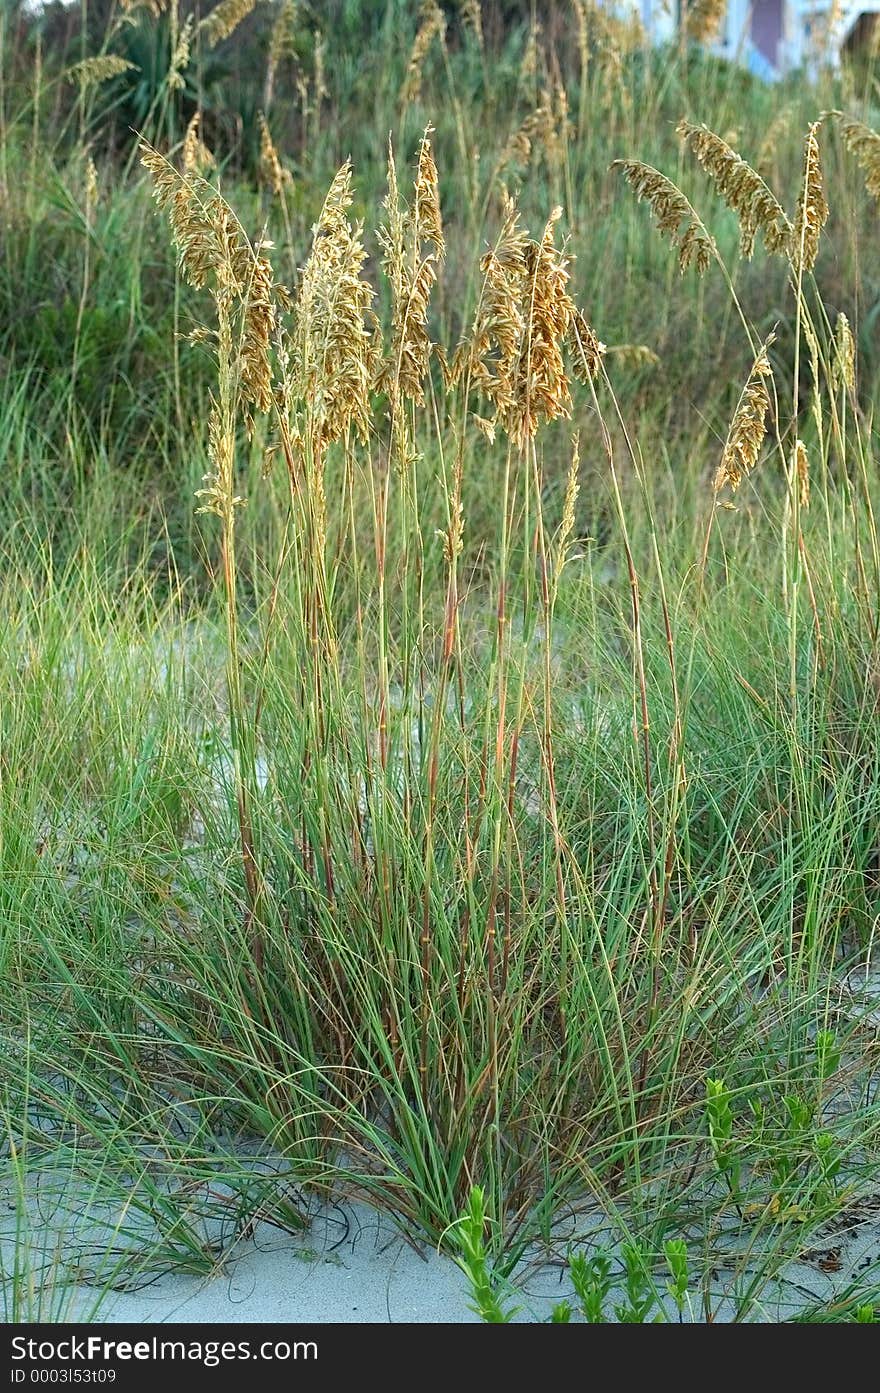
<point x="641" y="1297"/>
<point x="800" y="1115"/>
<point x="719" y="1117"/>
<point x="675" y="1252"/>
<point x="827" y="1054"/>
<point x="474" y="1262"/>
<point x="591" y="1278"/>
<point x="829" y="1158"/>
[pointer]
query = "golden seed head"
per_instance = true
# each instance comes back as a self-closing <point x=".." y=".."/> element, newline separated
<point x="702" y="19"/>
<point x="812" y="209"/>
<point x="453" y="534"/>
<point x="586" y="349"/>
<point x="485" y="427"/>
<point x="181" y="56"/>
<point x="801" y="471"/>
<point x="282" y="41"/>
<point x="541" y="390"/>
<point x="633" y="355"/>
<point x="863" y="144"/>
<point x="259" y="319"/>
<point x="332" y="348"/>
<point x="844" y="364"/>
<point x="537" y="128"/>
<point x="673" y="213"/>
<point x="773" y="136"/>
<point x="569" y="504"/>
<point x="747" y="429"/>
<point x="488" y="357"/>
<point x="432" y="25"/>
<point x="224" y="19"/>
<point x="413" y="247"/>
<point x="91" y="191"/>
<point x="271" y="169"/>
<point x="529" y="65"/>
<point x="514" y="354"/>
<point x="282" y="44"/>
<point x="583" y="33"/>
<point x="212" y="248"/>
<point x="603" y="38"/>
<point x="197" y="158"/>
<point x="426" y="217"/>
<point x="742" y="189"/>
<point x="218" y="495"/>
<point x="472" y="19"/>
<point x="92" y="71"/>
<point x="321" y="88"/>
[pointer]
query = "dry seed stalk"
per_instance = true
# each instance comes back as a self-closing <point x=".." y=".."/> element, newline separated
<point x="181" y="56"/>
<point x="702" y="19"/>
<point x="583" y="34"/>
<point x="605" y="31"/>
<point x="271" y="169"/>
<point x="773" y="136"/>
<point x="538" y="127"/>
<point x="529" y="65"/>
<point x="742" y="189"/>
<point x="634" y="355"/>
<point x="569" y="505"/>
<point x="800" y="470"/>
<point x="675" y="216"/>
<point x="212" y="247"/>
<point x="224" y="19"/>
<point x="604" y="38"/>
<point x="540" y="390"/>
<point x="864" y="145"/>
<point x="844" y="364"/>
<point x="412" y="251"/>
<point x="332" y="351"/>
<point x="321" y="88"/>
<point x="282" y="44"/>
<point x="812" y="209"/>
<point x="747" y="429"/>
<point x="488" y="357"/>
<point x="432" y="25"/>
<point x="413" y="248"/>
<point x="586" y="349"/>
<point x="200" y="224"/>
<point x="453" y="534"/>
<point x="91" y="191"/>
<point x="514" y="354"/>
<point x="92" y="71"/>
<point x="472" y="19"/>
<point x="197" y="158"/>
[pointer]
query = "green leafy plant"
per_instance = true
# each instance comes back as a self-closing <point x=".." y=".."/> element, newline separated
<point x="676" y="1255"/>
<point x="592" y="1281"/>
<point x="472" y="1257"/>
<point x="719" y="1119"/>
<point x="639" y="1290"/>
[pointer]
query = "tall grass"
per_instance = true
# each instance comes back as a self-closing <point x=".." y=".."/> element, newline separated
<point x="494" y="760"/>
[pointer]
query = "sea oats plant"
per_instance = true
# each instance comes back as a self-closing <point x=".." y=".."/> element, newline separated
<point x="526" y="345"/>
<point x="214" y="250"/>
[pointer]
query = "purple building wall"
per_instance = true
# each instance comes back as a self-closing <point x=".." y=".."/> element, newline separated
<point x="768" y="28"/>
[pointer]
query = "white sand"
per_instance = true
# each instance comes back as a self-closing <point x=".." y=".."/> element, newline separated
<point x="350" y="1266"/>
